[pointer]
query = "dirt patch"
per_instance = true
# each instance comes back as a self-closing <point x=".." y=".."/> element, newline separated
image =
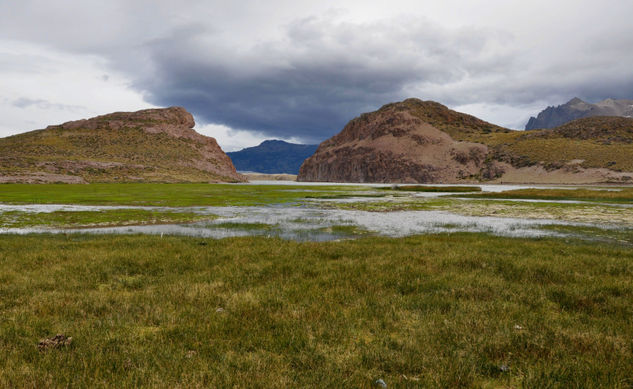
<point x="57" y="341"/>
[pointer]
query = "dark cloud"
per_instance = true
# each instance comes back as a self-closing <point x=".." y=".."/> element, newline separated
<point x="318" y="76"/>
<point x="243" y="65"/>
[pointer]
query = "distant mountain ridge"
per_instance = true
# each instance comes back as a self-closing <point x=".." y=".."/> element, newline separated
<point x="272" y="157"/>
<point x="577" y="109"/>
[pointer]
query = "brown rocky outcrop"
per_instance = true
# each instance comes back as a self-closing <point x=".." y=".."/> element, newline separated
<point x="399" y="144"/>
<point x="152" y="145"/>
<point x="416" y="141"/>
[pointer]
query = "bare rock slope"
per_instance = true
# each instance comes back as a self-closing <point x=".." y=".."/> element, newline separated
<point x="401" y="142"/>
<point x="418" y="141"/>
<point x="152" y="145"/>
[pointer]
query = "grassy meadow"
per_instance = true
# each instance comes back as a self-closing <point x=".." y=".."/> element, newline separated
<point x="172" y="195"/>
<point x="452" y="310"/>
<point x="431" y="311"/>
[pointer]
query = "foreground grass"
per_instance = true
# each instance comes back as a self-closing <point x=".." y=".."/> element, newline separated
<point x="620" y="236"/>
<point x="463" y="310"/>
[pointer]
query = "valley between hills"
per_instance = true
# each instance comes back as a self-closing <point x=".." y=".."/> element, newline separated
<point x="160" y="284"/>
<point x="429" y="249"/>
<point x="412" y="141"/>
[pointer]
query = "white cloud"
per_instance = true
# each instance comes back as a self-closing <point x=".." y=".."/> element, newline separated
<point x="514" y="117"/>
<point x="42" y="86"/>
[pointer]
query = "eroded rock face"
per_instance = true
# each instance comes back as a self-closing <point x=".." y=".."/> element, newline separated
<point x="152" y="145"/>
<point x="171" y="120"/>
<point x="416" y="141"/>
<point x="394" y="145"/>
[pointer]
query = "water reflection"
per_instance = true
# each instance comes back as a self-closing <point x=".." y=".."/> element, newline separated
<point x="304" y="223"/>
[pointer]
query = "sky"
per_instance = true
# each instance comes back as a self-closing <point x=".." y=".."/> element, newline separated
<point x="300" y="70"/>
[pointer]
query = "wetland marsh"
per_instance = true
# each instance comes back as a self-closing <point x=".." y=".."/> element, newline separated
<point x="163" y="285"/>
<point x="310" y="212"/>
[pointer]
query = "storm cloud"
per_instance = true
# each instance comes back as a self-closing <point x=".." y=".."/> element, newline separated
<point x="317" y="77"/>
<point x="292" y="70"/>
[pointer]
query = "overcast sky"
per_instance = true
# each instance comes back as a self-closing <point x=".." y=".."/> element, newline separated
<point x="299" y="70"/>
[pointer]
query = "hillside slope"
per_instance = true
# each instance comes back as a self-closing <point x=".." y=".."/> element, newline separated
<point x="594" y="142"/>
<point x="154" y="145"/>
<point x="577" y="109"/>
<point x="272" y="157"/>
<point x="425" y="142"/>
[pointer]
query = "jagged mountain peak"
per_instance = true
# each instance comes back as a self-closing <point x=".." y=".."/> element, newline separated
<point x="576" y="109"/>
<point x="575" y="100"/>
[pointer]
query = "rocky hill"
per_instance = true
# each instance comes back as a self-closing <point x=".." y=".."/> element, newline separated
<point x="153" y="145"/>
<point x="425" y="142"/>
<point x="576" y="109"/>
<point x="272" y="157"/>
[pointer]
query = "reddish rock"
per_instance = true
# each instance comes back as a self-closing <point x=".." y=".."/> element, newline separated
<point x="152" y="145"/>
<point x="401" y="142"/>
<point x="416" y="141"/>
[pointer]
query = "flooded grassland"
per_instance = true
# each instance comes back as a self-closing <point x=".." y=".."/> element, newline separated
<point x="315" y="285"/>
<point x="313" y="212"/>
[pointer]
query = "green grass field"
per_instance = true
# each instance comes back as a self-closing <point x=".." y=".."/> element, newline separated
<point x="182" y="195"/>
<point x="174" y="195"/>
<point x="461" y="310"/>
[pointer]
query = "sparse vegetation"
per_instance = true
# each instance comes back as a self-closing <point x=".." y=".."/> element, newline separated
<point x="599" y="142"/>
<point x="120" y="147"/>
<point x="613" y="195"/>
<point x="110" y="154"/>
<point x="88" y="219"/>
<point x="424" y="188"/>
<point x="245" y="226"/>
